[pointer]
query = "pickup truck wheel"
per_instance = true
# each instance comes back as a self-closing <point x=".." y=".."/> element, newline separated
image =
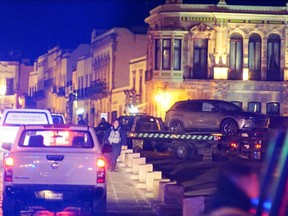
<point x="229" y="127"/>
<point x="9" y="206"/>
<point x="193" y="152"/>
<point x="183" y="151"/>
<point x="99" y="207"/>
<point x="177" y="127"/>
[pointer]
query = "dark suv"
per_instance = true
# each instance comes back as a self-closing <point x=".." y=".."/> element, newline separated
<point x="213" y="115"/>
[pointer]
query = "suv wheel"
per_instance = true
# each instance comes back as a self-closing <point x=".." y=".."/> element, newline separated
<point x="177" y="127"/>
<point x="229" y="127"/>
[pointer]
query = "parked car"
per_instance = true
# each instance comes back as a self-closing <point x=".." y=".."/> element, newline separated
<point x="141" y="123"/>
<point x="54" y="167"/>
<point x="58" y="118"/>
<point x="213" y="115"/>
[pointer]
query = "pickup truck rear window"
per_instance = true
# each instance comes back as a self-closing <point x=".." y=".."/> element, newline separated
<point x="56" y="138"/>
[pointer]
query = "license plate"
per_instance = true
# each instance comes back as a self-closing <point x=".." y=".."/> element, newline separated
<point x="53" y="196"/>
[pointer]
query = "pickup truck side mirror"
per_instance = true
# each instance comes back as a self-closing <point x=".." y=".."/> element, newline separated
<point x="6" y="146"/>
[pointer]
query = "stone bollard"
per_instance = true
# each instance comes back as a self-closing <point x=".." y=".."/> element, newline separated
<point x="161" y="189"/>
<point x="123" y="153"/>
<point x="193" y="206"/>
<point x="150" y="177"/>
<point x="129" y="159"/>
<point x="156" y="186"/>
<point x="143" y="169"/>
<point x="136" y="163"/>
<point x="173" y="194"/>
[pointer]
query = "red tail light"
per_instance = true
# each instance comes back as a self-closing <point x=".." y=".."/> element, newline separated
<point x="233" y="145"/>
<point x="258" y="146"/>
<point x="8" y="170"/>
<point x="101" y="172"/>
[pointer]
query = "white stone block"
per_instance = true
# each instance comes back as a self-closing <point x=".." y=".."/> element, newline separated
<point x="123" y="153"/>
<point x="129" y="158"/>
<point x="150" y="177"/>
<point x="143" y="169"/>
<point x="156" y="186"/>
<point x="136" y="162"/>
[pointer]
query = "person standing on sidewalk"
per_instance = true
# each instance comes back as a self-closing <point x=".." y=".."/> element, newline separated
<point x="116" y="136"/>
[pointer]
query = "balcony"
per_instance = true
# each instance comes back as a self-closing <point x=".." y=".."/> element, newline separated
<point x="48" y="83"/>
<point x="96" y="90"/>
<point x="30" y="102"/>
<point x="38" y="94"/>
<point x="61" y="91"/>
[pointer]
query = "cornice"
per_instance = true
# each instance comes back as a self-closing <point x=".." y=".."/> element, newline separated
<point x="103" y="41"/>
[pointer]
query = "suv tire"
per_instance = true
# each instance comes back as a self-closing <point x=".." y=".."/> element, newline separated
<point x="229" y="127"/>
<point x="177" y="127"/>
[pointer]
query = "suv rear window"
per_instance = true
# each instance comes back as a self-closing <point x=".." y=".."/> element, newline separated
<point x="56" y="138"/>
<point x="189" y="106"/>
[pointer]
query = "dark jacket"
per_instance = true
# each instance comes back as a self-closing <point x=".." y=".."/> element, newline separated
<point x="117" y="143"/>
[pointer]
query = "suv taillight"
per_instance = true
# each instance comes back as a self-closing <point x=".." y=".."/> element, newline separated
<point x="8" y="170"/>
<point x="101" y="173"/>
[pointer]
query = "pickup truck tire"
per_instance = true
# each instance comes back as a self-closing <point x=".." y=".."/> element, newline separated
<point x="99" y="206"/>
<point x="183" y="151"/>
<point x="9" y="206"/>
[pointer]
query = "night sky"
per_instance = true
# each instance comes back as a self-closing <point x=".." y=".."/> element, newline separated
<point x="34" y="27"/>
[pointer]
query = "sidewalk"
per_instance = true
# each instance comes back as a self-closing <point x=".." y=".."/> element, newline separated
<point x="123" y="199"/>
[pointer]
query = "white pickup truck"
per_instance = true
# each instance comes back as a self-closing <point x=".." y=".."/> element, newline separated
<point x="54" y="167"/>
<point x="11" y="120"/>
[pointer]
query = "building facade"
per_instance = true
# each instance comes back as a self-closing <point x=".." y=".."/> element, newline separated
<point x="232" y="52"/>
<point x="109" y="77"/>
<point x="13" y="83"/>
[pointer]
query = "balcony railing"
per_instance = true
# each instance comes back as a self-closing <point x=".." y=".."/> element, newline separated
<point x="96" y="90"/>
<point x="30" y="102"/>
<point x="38" y="94"/>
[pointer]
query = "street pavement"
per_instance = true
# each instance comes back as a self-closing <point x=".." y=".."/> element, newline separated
<point x="123" y="198"/>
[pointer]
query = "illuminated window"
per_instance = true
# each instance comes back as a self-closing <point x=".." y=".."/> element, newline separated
<point x="166" y="54"/>
<point x="254" y="59"/>
<point x="157" y="54"/>
<point x="254" y="107"/>
<point x="163" y="54"/>
<point x="9" y="86"/>
<point x="273" y="58"/>
<point x="273" y="109"/>
<point x="236" y="57"/>
<point x="177" y="54"/>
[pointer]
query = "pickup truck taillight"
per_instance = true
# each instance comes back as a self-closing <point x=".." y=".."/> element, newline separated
<point x="8" y="173"/>
<point x="101" y="174"/>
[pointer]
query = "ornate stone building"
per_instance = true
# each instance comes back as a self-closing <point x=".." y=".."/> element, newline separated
<point x="232" y="52"/>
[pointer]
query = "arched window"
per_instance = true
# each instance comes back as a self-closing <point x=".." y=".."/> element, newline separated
<point x="254" y="57"/>
<point x="273" y="58"/>
<point x="236" y="57"/>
